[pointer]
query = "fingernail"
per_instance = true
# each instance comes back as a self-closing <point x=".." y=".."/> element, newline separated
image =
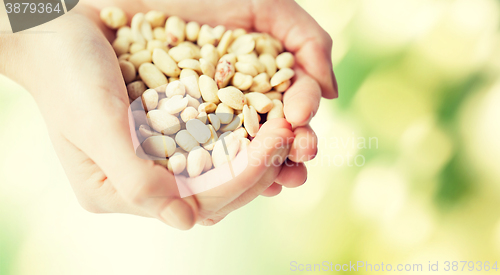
<point x="179" y="215"/>
<point x="335" y="85"/>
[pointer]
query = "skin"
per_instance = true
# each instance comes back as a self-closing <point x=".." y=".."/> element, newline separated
<point x="75" y="79"/>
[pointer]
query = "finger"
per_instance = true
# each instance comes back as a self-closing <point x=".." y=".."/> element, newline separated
<point x="273" y="190"/>
<point x="302" y="35"/>
<point x="301" y="101"/>
<point x="292" y="174"/>
<point x="305" y="145"/>
<point x="266" y="152"/>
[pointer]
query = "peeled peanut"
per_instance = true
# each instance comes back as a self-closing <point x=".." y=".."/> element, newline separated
<point x="128" y="71"/>
<point x="140" y="118"/>
<point x="274" y="95"/>
<point x="283" y="86"/>
<point x="152" y="76"/>
<point x="159" y="34"/>
<point x="163" y="122"/>
<point x="241" y="132"/>
<point x="218" y="31"/>
<point x="260" y="83"/>
<point x="192" y="64"/>
<point x="162" y="103"/>
<point x="207" y="107"/>
<point x="124" y="57"/>
<point x="219" y="156"/>
<point x="242" y="81"/>
<point x="209" y="145"/>
<point x="159" y="146"/>
<point x="259" y="101"/>
<point x="156" y="44"/>
<point x="177" y="163"/>
<point x="146" y="131"/>
<point x="230" y="57"/>
<point x="239" y="32"/>
<point x="140" y="58"/>
<point x="198" y="130"/>
<point x="232" y="97"/>
<point x="185" y="140"/>
<point x="251" y="120"/>
<point x="174" y="28"/>
<point x="285" y="60"/>
<point x="246" y="68"/>
<point x="188" y="72"/>
<point x="192" y="31"/>
<point x="165" y="63"/>
<point x="242" y="45"/>
<point x="121" y="45"/>
<point x="189" y="113"/>
<point x="223" y="74"/>
<point x="175" y="104"/>
<point x="282" y="76"/>
<point x="214" y="120"/>
<point x="135" y="89"/>
<point x="136" y="47"/>
<point x="180" y="53"/>
<point x="136" y="26"/>
<point x="206" y="36"/>
<point x="192" y="87"/>
<point x="175" y="88"/>
<point x="125" y="32"/>
<point x="209" y="53"/>
<point x="196" y="161"/>
<point x="225" y="113"/>
<point x="202" y="117"/>
<point x="208" y="89"/>
<point x="155" y="18"/>
<point x="207" y="68"/>
<point x="113" y="17"/>
<point x="150" y="99"/>
<point x="269" y="62"/>
<point x="234" y="124"/>
<point x="193" y="102"/>
<point x="147" y="31"/>
<point x="208" y="163"/>
<point x="195" y="48"/>
<point x="276" y="111"/>
<point x="225" y="41"/>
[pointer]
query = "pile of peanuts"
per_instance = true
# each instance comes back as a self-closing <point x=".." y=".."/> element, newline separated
<point x="192" y="87"/>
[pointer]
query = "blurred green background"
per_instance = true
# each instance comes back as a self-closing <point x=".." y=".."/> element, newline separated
<point x="419" y="83"/>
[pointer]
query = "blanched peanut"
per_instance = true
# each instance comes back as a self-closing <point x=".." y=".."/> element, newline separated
<point x="232" y="97"/>
<point x="195" y="48"/>
<point x="282" y="76"/>
<point x="135" y="89"/>
<point x="172" y="79"/>
<point x="260" y="83"/>
<point x="242" y="45"/>
<point x="192" y="64"/>
<point x="174" y="28"/>
<point x="252" y="59"/>
<point x="242" y="81"/>
<point x="146" y="131"/>
<point x="113" y="17"/>
<point x="192" y="30"/>
<point x="208" y="164"/>
<point x="209" y="53"/>
<point x="150" y="99"/>
<point x="147" y="31"/>
<point x="136" y="47"/>
<point x="276" y="111"/>
<point x="159" y="34"/>
<point x="206" y="36"/>
<point x="187" y="73"/>
<point x="163" y="122"/>
<point x="246" y="68"/>
<point x="198" y="130"/>
<point x="156" y="44"/>
<point x="193" y="102"/>
<point x="269" y="62"/>
<point x="285" y="60"/>
<point x="191" y="84"/>
<point x="251" y="120"/>
<point x="175" y="88"/>
<point x="218" y="31"/>
<point x="152" y="76"/>
<point x="202" y="117"/>
<point x="159" y="146"/>
<point x="214" y="120"/>
<point x="155" y="18"/>
<point x="219" y="156"/>
<point x="225" y="71"/>
<point x="283" y="86"/>
<point x="186" y="141"/>
<point x="128" y="71"/>
<point x="125" y="32"/>
<point x="121" y="45"/>
<point x="124" y="57"/>
<point x="244" y="142"/>
<point x="260" y="102"/>
<point x="177" y="163"/>
<point x="241" y="132"/>
<point x="207" y="107"/>
<point x="196" y="161"/>
<point x="207" y="68"/>
<point x="140" y="118"/>
<point x="225" y="113"/>
<point x="180" y="53"/>
<point x="165" y="63"/>
<point x="208" y="89"/>
<point x="162" y="103"/>
<point x="189" y="113"/>
<point x="239" y="32"/>
<point x="175" y="104"/>
<point x="230" y="57"/>
<point x="265" y="44"/>
<point x="209" y="145"/>
<point x="225" y="41"/>
<point x="136" y="26"/>
<point x="234" y="124"/>
<point x="274" y="95"/>
<point x="140" y="58"/>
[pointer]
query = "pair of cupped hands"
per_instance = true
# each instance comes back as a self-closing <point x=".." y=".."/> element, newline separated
<point x="70" y="68"/>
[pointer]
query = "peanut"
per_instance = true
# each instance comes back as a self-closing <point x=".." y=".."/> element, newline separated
<point x="186" y="141"/>
<point x="128" y="71"/>
<point x="282" y="76"/>
<point x="175" y="104"/>
<point x="285" y="60"/>
<point x="232" y="97"/>
<point x="192" y="31"/>
<point x="260" y="83"/>
<point x="225" y="113"/>
<point x="177" y="163"/>
<point x="276" y="111"/>
<point x="140" y="58"/>
<point x="202" y="117"/>
<point x="208" y="89"/>
<point x="269" y="62"/>
<point x="225" y="71"/>
<point x="241" y="132"/>
<point x="175" y="88"/>
<point x="215" y="121"/>
<point x="180" y="53"/>
<point x="150" y="99"/>
<point x="136" y="47"/>
<point x="242" y="45"/>
<point x="207" y="68"/>
<point x="113" y="17"/>
<point x="192" y="64"/>
<point x="163" y="122"/>
<point x="283" y="86"/>
<point x="234" y="124"/>
<point x="207" y="107"/>
<point x="165" y="63"/>
<point x="219" y="156"/>
<point x="174" y="28"/>
<point x="159" y="146"/>
<point x="225" y="41"/>
<point x="147" y="31"/>
<point x="260" y="102"/>
<point x="196" y="161"/>
<point x="155" y="18"/>
<point x="274" y="95"/>
<point x="188" y="72"/>
<point x="135" y="89"/>
<point x="156" y="44"/>
<point x="189" y="113"/>
<point x="242" y="81"/>
<point x="191" y="84"/>
<point x="246" y="68"/>
<point x="193" y="102"/>
<point x="206" y="36"/>
<point x="198" y="130"/>
<point x="121" y="45"/>
<point x="251" y="120"/>
<point x="159" y="34"/>
<point x="209" y="53"/>
<point x="152" y="76"/>
<point x="218" y="31"/>
<point x="209" y="145"/>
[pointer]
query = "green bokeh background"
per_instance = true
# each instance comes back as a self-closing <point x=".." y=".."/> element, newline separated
<point x="419" y="78"/>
